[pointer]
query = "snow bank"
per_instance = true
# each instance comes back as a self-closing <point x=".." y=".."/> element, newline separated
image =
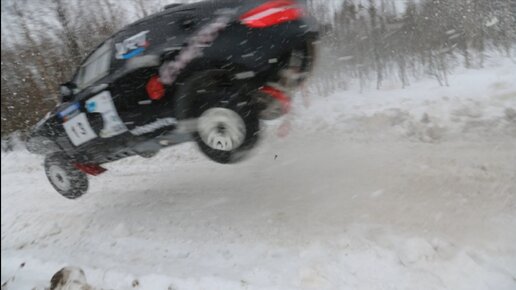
<point x="478" y="104"/>
<point x="350" y="262"/>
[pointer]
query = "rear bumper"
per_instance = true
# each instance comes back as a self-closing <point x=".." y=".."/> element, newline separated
<point x="273" y="103"/>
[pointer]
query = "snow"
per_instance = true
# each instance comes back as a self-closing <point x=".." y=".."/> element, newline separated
<point x="477" y="100"/>
<point x="393" y="189"/>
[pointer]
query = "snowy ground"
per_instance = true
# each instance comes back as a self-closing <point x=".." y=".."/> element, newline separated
<point x="391" y="189"/>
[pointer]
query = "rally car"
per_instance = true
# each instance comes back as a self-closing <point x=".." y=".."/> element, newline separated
<point x="206" y="72"/>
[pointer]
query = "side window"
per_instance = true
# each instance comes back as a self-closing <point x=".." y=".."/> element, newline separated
<point x="95" y="67"/>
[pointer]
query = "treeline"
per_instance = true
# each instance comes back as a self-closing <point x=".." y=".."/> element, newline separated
<point x="366" y="40"/>
<point x="43" y="42"/>
<point x="372" y="40"/>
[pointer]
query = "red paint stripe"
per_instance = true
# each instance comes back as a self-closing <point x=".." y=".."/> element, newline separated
<point x="272" y="13"/>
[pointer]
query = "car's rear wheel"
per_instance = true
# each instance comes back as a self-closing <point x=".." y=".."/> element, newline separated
<point x="227" y="132"/>
<point x="64" y="177"/>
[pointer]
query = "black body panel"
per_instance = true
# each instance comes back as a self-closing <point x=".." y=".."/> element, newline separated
<point x="243" y="57"/>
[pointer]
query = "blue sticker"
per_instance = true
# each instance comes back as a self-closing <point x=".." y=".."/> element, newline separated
<point x="133" y="53"/>
<point x="91" y="106"/>
<point x="69" y="110"/>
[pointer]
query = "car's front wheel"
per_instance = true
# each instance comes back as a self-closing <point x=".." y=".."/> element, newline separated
<point x="64" y="177"/>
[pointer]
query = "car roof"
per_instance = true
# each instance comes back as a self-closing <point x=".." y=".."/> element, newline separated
<point x="166" y="11"/>
<point x="205" y="5"/>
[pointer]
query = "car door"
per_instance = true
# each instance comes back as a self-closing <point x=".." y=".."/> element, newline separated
<point x="92" y="116"/>
<point x="135" y="45"/>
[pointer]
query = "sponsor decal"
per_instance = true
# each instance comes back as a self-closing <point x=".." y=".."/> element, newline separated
<point x="103" y="104"/>
<point x="154" y="126"/>
<point x="132" y="46"/>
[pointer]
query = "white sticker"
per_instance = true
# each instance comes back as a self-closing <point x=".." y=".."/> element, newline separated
<point x="103" y="104"/>
<point x="79" y="130"/>
<point x="154" y="126"/>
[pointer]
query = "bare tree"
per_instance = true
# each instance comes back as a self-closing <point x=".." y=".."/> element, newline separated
<point x="70" y="38"/>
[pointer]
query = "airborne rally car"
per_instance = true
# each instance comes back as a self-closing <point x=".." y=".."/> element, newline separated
<point x="206" y="72"/>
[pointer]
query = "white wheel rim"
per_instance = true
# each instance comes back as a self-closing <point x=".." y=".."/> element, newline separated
<point x="59" y="178"/>
<point x="221" y="129"/>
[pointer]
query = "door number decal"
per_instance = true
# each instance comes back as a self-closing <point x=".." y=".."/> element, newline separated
<point x="79" y="130"/>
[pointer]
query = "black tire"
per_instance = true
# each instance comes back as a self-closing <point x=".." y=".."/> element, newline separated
<point x="250" y="123"/>
<point x="64" y="177"/>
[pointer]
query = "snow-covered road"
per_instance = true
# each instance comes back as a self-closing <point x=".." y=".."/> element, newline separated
<point x="387" y="200"/>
